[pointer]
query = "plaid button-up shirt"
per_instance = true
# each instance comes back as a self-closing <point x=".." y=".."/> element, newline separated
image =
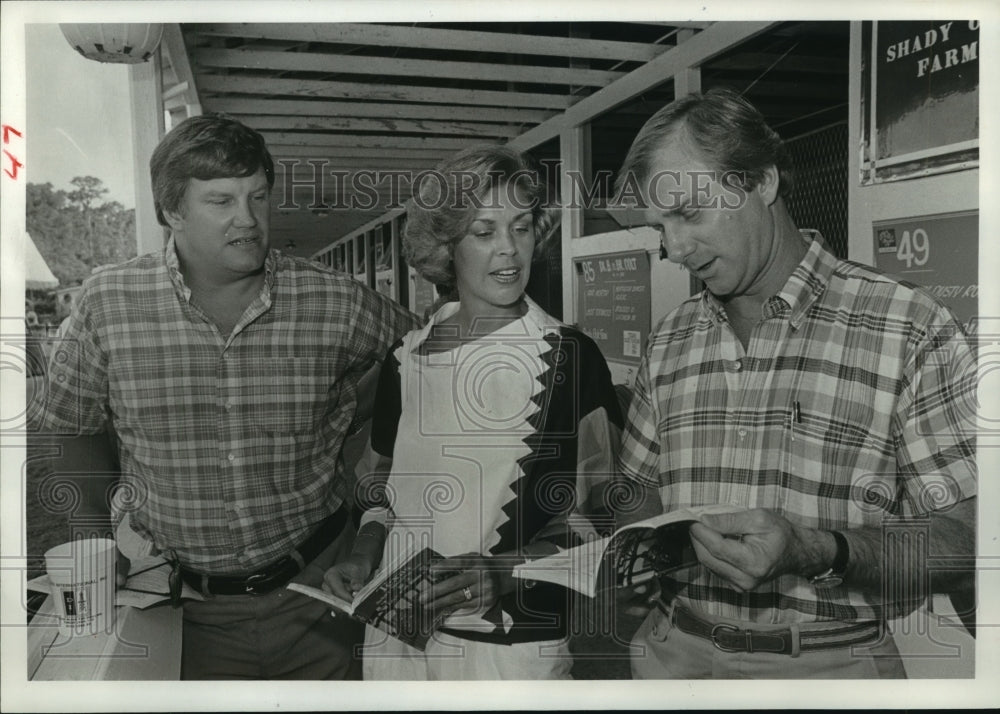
<point x="231" y="442"/>
<point x="854" y="398"/>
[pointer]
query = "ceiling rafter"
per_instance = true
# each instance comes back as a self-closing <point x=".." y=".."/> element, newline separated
<point x="368" y="141"/>
<point x="306" y="107"/>
<point x="432" y="38"/>
<point x="319" y="123"/>
<point x="384" y="92"/>
<point x="396" y="67"/>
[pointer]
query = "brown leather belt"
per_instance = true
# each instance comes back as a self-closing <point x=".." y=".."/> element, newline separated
<point x="788" y="641"/>
<point x="276" y="574"/>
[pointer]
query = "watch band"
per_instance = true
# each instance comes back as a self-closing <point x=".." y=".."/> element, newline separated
<point x="834" y="575"/>
<point x="839" y="565"/>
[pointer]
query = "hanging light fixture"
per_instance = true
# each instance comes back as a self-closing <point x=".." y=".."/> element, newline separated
<point x="130" y="43"/>
<point x="290" y="246"/>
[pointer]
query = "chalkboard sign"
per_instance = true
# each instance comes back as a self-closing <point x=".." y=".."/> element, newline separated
<point x="939" y="253"/>
<point x="921" y="97"/>
<point x="613" y="305"/>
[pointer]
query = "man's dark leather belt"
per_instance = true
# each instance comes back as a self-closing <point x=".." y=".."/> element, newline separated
<point x="278" y="573"/>
<point x="730" y="638"/>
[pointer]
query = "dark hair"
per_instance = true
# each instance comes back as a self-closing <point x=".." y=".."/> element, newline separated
<point x="204" y="147"/>
<point x="728" y="131"/>
<point x="446" y="199"/>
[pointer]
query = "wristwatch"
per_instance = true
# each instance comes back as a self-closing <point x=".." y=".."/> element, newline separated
<point x="834" y="576"/>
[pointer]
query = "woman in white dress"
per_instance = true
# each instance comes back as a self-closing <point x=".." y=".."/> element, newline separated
<point x="493" y="431"/>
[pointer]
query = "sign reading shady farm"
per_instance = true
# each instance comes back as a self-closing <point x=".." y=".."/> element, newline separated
<point x="926" y="96"/>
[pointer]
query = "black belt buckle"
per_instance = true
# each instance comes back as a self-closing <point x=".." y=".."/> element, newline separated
<point x="263" y="583"/>
<point x="253" y="582"/>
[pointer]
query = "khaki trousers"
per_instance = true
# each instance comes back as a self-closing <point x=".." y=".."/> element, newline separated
<point x="661" y="651"/>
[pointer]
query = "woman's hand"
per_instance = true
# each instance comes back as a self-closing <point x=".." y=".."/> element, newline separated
<point x="348" y="576"/>
<point x="471" y="582"/>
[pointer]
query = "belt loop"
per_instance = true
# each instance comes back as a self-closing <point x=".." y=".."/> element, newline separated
<point x="297" y="557"/>
<point x="796" y="641"/>
<point x="204" y="586"/>
<point x="668" y="610"/>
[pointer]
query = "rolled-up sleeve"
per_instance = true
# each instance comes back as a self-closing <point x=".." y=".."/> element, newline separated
<point x="76" y="399"/>
<point x="935" y="422"/>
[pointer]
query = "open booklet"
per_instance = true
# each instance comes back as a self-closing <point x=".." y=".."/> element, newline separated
<point x="628" y="556"/>
<point x="390" y="600"/>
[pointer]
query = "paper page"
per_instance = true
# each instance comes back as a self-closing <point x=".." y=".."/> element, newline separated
<point x="576" y="568"/>
<point x="579" y="567"/>
<point x="323" y="596"/>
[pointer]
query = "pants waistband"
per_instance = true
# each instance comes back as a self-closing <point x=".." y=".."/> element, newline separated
<point x="278" y="573"/>
<point x="789" y="640"/>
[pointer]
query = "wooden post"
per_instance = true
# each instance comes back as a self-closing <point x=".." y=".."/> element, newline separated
<point x="146" y="91"/>
<point x="574" y="150"/>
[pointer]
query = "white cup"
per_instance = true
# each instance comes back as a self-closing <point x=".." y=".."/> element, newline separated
<point x="82" y="574"/>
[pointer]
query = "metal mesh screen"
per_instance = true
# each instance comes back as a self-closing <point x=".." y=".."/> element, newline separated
<point x="819" y="199"/>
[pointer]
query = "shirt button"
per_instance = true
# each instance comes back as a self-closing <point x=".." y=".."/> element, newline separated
<point x="232" y="456"/>
<point x="742" y="433"/>
<point x="229" y="405"/>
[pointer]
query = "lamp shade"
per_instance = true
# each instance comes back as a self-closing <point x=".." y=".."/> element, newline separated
<point x="124" y="44"/>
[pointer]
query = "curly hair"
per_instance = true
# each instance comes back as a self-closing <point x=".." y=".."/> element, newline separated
<point x="446" y="199"/>
<point x="204" y="147"/>
<point x="728" y="131"/>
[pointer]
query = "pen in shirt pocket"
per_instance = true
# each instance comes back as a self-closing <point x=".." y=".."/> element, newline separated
<point x="795" y="417"/>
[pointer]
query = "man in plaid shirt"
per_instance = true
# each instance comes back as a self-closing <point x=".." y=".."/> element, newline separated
<point x="835" y="405"/>
<point x="228" y="374"/>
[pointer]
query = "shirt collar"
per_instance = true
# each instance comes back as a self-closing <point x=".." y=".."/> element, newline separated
<point x="809" y="279"/>
<point x="806" y="283"/>
<point x="537" y="322"/>
<point x="173" y="266"/>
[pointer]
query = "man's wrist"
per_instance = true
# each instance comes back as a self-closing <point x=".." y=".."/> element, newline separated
<point x="833" y="565"/>
<point x="819" y="552"/>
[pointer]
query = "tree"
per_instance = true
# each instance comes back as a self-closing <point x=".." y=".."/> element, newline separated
<point x="75" y="233"/>
<point x="88" y="190"/>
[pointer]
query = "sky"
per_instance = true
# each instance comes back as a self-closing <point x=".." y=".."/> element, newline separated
<point x="95" y="138"/>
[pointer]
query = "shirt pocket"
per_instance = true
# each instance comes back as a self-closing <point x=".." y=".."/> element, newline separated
<point x="294" y="395"/>
<point x="826" y="447"/>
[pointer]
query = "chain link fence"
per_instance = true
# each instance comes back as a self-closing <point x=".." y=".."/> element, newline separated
<point x="819" y="199"/>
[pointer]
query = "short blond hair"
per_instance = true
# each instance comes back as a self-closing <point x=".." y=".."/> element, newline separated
<point x="445" y="200"/>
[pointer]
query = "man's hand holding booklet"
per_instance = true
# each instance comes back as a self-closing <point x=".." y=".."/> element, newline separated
<point x="630" y="555"/>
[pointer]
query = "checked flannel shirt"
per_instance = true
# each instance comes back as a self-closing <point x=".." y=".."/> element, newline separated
<point x="855" y="398"/>
<point x="230" y="444"/>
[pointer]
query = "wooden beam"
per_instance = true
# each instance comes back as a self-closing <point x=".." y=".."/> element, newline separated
<point x="332" y="161"/>
<point x="718" y="38"/>
<point x="385" y="92"/>
<point x="687" y="80"/>
<point x="278" y="149"/>
<point x="317" y="123"/>
<point x="438" y="39"/>
<point x="179" y="60"/>
<point x="395" y="67"/>
<point x="146" y="95"/>
<point x="305" y="107"/>
<point x="574" y="148"/>
<point x="367" y="141"/>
